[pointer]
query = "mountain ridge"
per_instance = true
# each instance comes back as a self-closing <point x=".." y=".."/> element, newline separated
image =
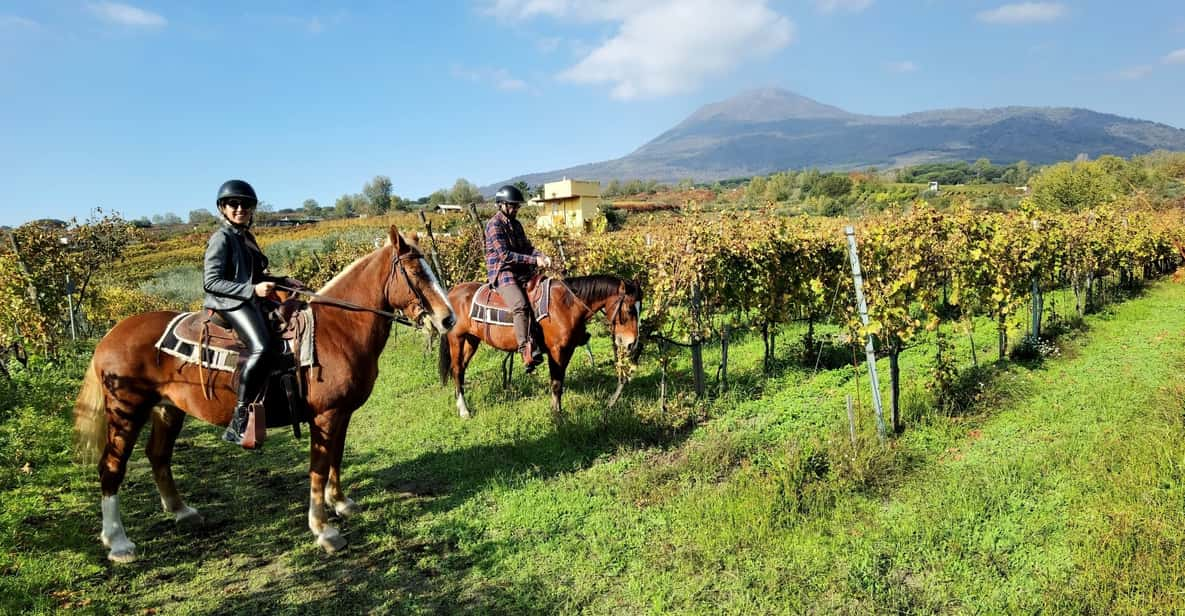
<point x="766" y="130"/>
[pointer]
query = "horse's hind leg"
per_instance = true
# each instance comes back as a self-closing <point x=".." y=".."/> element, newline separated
<point x="124" y="421"/>
<point x="334" y="495"/>
<point x="166" y="425"/>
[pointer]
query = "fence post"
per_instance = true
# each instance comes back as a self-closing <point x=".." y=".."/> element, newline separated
<point x="1037" y="299"/>
<point x="697" y="351"/>
<point x="869" y="350"/>
<point x="432" y="250"/>
<point x="70" y="306"/>
<point x="724" y="359"/>
<point x="473" y="215"/>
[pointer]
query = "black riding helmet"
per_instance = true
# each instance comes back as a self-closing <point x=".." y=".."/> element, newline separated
<point x="509" y="194"/>
<point x="236" y="189"/>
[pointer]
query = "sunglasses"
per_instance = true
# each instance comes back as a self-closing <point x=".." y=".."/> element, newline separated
<point x="232" y="204"/>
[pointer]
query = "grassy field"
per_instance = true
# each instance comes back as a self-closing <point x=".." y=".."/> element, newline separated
<point x="1057" y="488"/>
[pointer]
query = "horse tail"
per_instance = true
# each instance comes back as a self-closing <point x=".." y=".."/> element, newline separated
<point x="444" y="363"/>
<point x="90" y="418"/>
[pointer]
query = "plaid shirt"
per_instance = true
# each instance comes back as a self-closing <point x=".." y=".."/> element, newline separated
<point x="509" y="254"/>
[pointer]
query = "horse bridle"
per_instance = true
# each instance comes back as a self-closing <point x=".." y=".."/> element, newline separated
<point x="396" y="263"/>
<point x="616" y="312"/>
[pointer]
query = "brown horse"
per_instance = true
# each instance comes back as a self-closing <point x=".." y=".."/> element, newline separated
<point x="129" y="384"/>
<point x="573" y="302"/>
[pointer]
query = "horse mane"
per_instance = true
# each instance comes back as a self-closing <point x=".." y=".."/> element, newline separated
<point x="412" y="241"/>
<point x="599" y="286"/>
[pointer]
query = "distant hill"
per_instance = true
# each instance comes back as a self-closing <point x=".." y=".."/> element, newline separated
<point x="768" y="130"/>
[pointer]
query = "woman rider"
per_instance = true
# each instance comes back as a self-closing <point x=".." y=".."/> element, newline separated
<point x="235" y="276"/>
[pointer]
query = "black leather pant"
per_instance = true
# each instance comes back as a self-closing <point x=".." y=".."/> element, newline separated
<point x="248" y="323"/>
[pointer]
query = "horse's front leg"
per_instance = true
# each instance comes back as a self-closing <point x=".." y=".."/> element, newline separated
<point x="334" y="495"/>
<point x="557" y="369"/>
<point x="463" y="352"/>
<point x="321" y="432"/>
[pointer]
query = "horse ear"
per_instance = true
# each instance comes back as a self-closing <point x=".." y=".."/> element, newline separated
<point x="397" y="240"/>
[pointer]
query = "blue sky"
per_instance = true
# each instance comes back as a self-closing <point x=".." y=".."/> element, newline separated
<point x="146" y="107"/>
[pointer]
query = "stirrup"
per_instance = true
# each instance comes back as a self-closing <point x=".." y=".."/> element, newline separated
<point x="532" y="357"/>
<point x="236" y="430"/>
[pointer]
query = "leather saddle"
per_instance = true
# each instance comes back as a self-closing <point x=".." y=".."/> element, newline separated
<point x="488" y="307"/>
<point x="206" y="339"/>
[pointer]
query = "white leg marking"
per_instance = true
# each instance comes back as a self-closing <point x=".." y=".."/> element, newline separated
<point x="316" y="519"/>
<point x="344" y="507"/>
<point x="462" y="408"/>
<point x="187" y="515"/>
<point x="113" y="535"/>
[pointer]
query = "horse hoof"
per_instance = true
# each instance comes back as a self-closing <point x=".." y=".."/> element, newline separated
<point x="345" y="508"/>
<point x="189" y="518"/>
<point x="331" y="541"/>
<point x="465" y="414"/>
<point x="125" y="554"/>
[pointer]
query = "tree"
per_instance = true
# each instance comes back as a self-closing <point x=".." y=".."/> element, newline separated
<point x="834" y="186"/>
<point x="202" y="216"/>
<point x="982" y="168"/>
<point x="168" y="218"/>
<point x="1071" y="187"/>
<point x="438" y="197"/>
<point x="49" y="263"/>
<point x="344" y="206"/>
<point x="523" y="186"/>
<point x="311" y="207"/>
<point x="780" y="186"/>
<point x="377" y="193"/>
<point x="755" y="191"/>
<point x="464" y="192"/>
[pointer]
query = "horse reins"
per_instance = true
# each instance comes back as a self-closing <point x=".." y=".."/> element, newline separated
<point x="398" y="318"/>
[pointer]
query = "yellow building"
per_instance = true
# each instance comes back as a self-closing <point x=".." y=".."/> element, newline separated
<point x="570" y="203"/>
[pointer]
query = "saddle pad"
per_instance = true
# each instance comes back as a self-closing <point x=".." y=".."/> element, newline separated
<point x="227" y="359"/>
<point x="494" y="312"/>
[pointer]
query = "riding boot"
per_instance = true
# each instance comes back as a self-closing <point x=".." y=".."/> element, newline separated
<point x="238" y="424"/>
<point x="532" y="355"/>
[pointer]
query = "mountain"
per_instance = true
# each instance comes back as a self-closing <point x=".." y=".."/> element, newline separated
<point x="768" y="130"/>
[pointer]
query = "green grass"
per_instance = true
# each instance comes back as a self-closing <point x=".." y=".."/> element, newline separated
<point x="1058" y="489"/>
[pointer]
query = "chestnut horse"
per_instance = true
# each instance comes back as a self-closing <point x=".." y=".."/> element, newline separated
<point x="129" y="383"/>
<point x="573" y="302"/>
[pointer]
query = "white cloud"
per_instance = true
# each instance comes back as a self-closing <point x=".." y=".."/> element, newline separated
<point x="577" y="10"/>
<point x="499" y="78"/>
<point x="14" y="21"/>
<point x="905" y="66"/>
<point x="504" y="81"/>
<point x="664" y="47"/>
<point x="1133" y="73"/>
<point x="126" y="15"/>
<point x="848" y="6"/>
<point x="1023" y="13"/>
<point x="1174" y="57"/>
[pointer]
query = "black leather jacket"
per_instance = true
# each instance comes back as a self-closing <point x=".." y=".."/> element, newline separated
<point x="232" y="268"/>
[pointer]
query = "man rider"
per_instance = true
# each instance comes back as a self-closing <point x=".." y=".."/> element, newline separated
<point x="511" y="261"/>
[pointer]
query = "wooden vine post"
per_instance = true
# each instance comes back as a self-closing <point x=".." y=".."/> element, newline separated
<point x="432" y="254"/>
<point x="697" y="350"/>
<point x="1038" y="303"/>
<point x="869" y="350"/>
